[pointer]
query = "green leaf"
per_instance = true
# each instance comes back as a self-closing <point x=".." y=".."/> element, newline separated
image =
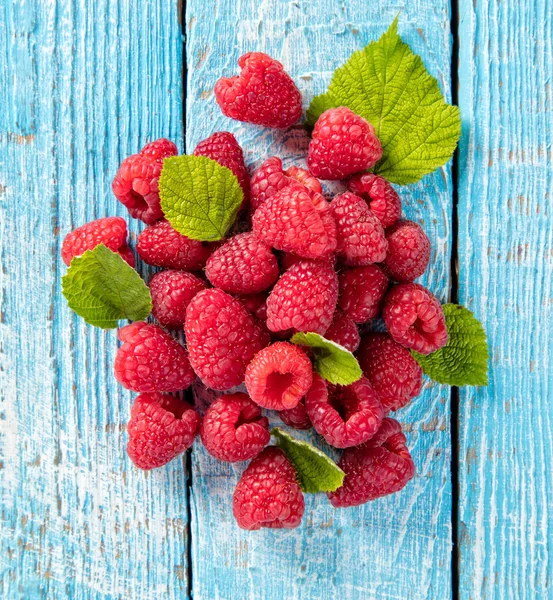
<point x="464" y="359"/>
<point x="102" y="289"/>
<point x="387" y="84"/>
<point x="200" y="198"/>
<point x="316" y="472"/>
<point x="332" y="361"/>
<point x="317" y="107"/>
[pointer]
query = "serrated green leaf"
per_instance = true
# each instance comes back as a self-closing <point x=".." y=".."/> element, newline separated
<point x="199" y="197"/>
<point x="102" y="289"/>
<point x="464" y="359"/>
<point x="317" y="107"/>
<point x="316" y="472"/>
<point x="387" y="84"/>
<point x="332" y="361"/>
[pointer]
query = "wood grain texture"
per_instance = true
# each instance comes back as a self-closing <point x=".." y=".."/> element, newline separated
<point x="84" y="83"/>
<point x="393" y="548"/>
<point x="506" y="278"/>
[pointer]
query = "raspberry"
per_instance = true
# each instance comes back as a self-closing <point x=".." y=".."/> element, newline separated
<point x="304" y="298"/>
<point x="242" y="265"/>
<point x="256" y="304"/>
<point x="362" y="291"/>
<point x="161" y="428"/>
<point x="111" y="231"/>
<point x="380" y="467"/>
<point x="162" y="246"/>
<point x="296" y="417"/>
<point x="233" y="429"/>
<point x="359" y="233"/>
<point x="415" y="318"/>
<point x="270" y="178"/>
<point x="268" y="493"/>
<point x="223" y="148"/>
<point x="279" y="376"/>
<point x="263" y="93"/>
<point x="150" y="360"/>
<point x="342" y="143"/>
<point x="394" y="374"/>
<point x="381" y="197"/>
<point x="408" y="251"/>
<point x="343" y="331"/>
<point x="345" y="416"/>
<point x="136" y="181"/>
<point x="222" y="338"/>
<point x="171" y="293"/>
<point x="296" y="220"/>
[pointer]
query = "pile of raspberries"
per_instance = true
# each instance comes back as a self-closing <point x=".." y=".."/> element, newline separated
<point x="294" y="262"/>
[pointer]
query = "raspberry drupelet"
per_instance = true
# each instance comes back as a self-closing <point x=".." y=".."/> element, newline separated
<point x="136" y="184"/>
<point x="150" y="360"/>
<point x="111" y="231"/>
<point x="279" y="376"/>
<point x="268" y="493"/>
<point x="161" y="428"/>
<point x="342" y="143"/>
<point x="233" y="428"/>
<point x="377" y="468"/>
<point x="414" y="318"/>
<point x="263" y="93"/>
<point x="344" y="415"/>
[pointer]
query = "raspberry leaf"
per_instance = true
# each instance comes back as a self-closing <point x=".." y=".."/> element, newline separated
<point x="464" y="359"/>
<point x="199" y="197"/>
<point x="316" y="472"/>
<point x="102" y="289"/>
<point x="387" y="84"/>
<point x="332" y="361"/>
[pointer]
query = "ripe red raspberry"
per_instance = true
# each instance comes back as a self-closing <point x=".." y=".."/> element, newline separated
<point x="344" y="415"/>
<point x="381" y="197"/>
<point x="296" y="220"/>
<point x="233" y="429"/>
<point x="256" y="304"/>
<point x="393" y="373"/>
<point x="360" y="235"/>
<point x="342" y="143"/>
<point x="296" y="417"/>
<point x="222" y="338"/>
<point x="362" y="291"/>
<point x="304" y="298"/>
<point x="408" y="251"/>
<point x="150" y="360"/>
<point x="111" y="231"/>
<point x="270" y="178"/>
<point x="161" y="428"/>
<point x="171" y="293"/>
<point x="268" y="493"/>
<point x="223" y="148"/>
<point x="136" y="184"/>
<point x="162" y="246"/>
<point x="242" y="265"/>
<point x="380" y="467"/>
<point x="343" y="331"/>
<point x="415" y="318"/>
<point x="279" y="376"/>
<point x="263" y="93"/>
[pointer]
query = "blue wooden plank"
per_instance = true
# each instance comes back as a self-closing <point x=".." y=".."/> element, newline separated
<point x="84" y="83"/>
<point x="506" y="277"/>
<point x="397" y="547"/>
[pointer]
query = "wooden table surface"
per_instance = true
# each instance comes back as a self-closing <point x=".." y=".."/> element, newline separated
<point x="84" y="83"/>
